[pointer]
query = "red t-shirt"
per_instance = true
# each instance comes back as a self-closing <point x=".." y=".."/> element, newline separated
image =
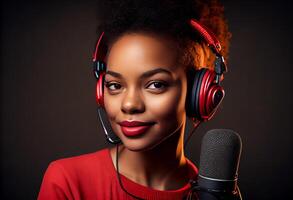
<point x="93" y="176"/>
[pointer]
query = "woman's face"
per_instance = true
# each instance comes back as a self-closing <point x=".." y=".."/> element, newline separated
<point x="144" y="82"/>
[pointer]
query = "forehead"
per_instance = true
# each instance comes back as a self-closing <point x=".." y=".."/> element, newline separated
<point x="138" y="52"/>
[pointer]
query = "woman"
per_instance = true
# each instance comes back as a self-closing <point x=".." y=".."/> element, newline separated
<point x="146" y="59"/>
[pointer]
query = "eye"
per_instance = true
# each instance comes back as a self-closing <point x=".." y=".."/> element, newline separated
<point x="157" y="85"/>
<point x="112" y="86"/>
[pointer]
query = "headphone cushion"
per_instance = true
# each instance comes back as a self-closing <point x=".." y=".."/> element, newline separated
<point x="199" y="85"/>
<point x="207" y="81"/>
<point x="191" y="97"/>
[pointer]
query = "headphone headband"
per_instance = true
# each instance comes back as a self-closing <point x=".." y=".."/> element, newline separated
<point x="95" y="54"/>
<point x="209" y="37"/>
<point x="215" y="46"/>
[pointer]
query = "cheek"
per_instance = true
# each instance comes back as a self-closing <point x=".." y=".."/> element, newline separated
<point x="112" y="107"/>
<point x="169" y="106"/>
<point x="111" y="104"/>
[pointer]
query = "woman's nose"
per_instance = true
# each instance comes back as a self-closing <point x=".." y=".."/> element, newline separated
<point x="132" y="102"/>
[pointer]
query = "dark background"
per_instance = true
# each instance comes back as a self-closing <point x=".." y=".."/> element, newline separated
<point x="48" y="101"/>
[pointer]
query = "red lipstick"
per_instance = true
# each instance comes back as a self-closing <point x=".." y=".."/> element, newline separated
<point x="134" y="128"/>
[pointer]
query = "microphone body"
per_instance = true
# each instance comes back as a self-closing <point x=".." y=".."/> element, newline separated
<point x="218" y="168"/>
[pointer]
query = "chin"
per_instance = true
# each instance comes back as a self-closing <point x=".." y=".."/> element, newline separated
<point x="140" y="144"/>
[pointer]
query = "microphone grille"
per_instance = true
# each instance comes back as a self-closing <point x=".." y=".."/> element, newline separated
<point x="220" y="153"/>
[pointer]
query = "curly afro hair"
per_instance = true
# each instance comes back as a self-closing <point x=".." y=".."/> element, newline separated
<point x="169" y="18"/>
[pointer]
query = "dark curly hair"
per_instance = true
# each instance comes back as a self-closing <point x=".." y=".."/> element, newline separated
<point x="168" y="18"/>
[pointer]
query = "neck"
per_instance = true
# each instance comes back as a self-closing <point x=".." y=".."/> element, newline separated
<point x="163" y="167"/>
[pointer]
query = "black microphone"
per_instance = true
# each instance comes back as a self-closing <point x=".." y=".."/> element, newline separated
<point x="218" y="168"/>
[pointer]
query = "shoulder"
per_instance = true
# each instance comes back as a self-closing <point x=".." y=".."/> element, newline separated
<point x="86" y="165"/>
<point x="70" y="178"/>
<point x="97" y="157"/>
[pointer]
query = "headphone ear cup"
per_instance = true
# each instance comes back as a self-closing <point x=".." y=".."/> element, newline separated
<point x="214" y="98"/>
<point x="210" y="95"/>
<point x="198" y="94"/>
<point x="100" y="90"/>
<point x="204" y="96"/>
<point x="193" y="77"/>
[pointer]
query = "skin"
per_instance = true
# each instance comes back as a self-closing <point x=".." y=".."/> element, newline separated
<point x="155" y="159"/>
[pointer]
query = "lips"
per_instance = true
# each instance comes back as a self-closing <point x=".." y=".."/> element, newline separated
<point x="134" y="128"/>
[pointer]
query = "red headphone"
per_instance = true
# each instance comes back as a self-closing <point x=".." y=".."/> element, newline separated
<point x="205" y="93"/>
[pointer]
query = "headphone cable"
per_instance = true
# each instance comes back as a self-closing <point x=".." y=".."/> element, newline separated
<point x="195" y="123"/>
<point x="119" y="178"/>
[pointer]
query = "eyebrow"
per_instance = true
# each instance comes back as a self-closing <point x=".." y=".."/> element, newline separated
<point x="144" y="75"/>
